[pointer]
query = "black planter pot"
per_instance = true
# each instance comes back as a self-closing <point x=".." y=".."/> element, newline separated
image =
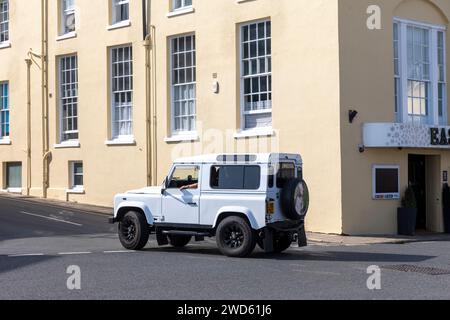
<point x="406" y="219"/>
<point x="446" y="220"/>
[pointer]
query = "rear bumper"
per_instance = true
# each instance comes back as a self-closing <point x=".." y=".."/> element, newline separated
<point x="287" y="225"/>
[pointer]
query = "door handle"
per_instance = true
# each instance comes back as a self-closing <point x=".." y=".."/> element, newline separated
<point x="192" y="203"/>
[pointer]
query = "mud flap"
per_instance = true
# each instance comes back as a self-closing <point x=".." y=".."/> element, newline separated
<point x="302" y="241"/>
<point x="268" y="240"/>
<point x="161" y="238"/>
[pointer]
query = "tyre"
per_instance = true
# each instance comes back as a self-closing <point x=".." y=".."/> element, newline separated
<point x="133" y="231"/>
<point x="235" y="238"/>
<point x="179" y="241"/>
<point x="281" y="242"/>
<point x="295" y="199"/>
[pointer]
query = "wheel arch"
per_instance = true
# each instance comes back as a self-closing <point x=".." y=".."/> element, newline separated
<point x="244" y="213"/>
<point x="125" y="207"/>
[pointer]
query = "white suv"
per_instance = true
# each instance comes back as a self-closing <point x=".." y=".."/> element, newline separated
<point x="242" y="200"/>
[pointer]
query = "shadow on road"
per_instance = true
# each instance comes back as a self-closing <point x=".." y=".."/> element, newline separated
<point x="342" y="256"/>
<point x="13" y="263"/>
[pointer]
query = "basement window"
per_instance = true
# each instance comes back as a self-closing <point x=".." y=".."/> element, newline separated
<point x="386" y="182"/>
<point x="76" y="177"/>
<point x="13" y="177"/>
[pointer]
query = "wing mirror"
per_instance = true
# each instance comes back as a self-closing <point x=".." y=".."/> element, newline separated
<point x="165" y="185"/>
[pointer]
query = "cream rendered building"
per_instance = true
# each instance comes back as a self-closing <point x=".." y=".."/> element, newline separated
<point x="134" y="84"/>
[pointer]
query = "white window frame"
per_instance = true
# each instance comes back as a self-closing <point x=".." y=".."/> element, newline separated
<point x="115" y="6"/>
<point x="174" y="132"/>
<point x="72" y="142"/>
<point x="384" y="196"/>
<point x="183" y="5"/>
<point x="6" y="179"/>
<point x="116" y="137"/>
<point x="64" y="14"/>
<point x="433" y="112"/>
<point x="244" y="130"/>
<point x="73" y="188"/>
<point x="4" y="24"/>
<point x="5" y="139"/>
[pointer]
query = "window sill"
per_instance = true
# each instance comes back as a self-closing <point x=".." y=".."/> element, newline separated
<point x="66" y="36"/>
<point x="5" y="142"/>
<point x="118" y="25"/>
<point x="180" y="12"/>
<point x="67" y="144"/>
<point x="182" y="138"/>
<point x="264" y="132"/>
<point x="77" y="190"/>
<point x="121" y="142"/>
<point x="4" y="45"/>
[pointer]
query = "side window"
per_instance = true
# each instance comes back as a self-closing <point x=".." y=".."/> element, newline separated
<point x="184" y="176"/>
<point x="283" y="172"/>
<point x="235" y="177"/>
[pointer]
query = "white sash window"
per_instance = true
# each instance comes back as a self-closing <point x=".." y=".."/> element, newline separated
<point x="4" y="21"/>
<point x="419" y="72"/>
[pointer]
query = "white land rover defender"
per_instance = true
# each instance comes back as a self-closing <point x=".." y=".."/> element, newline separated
<point x="242" y="200"/>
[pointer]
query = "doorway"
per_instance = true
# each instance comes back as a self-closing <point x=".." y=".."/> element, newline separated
<point x="424" y="176"/>
<point x="418" y="181"/>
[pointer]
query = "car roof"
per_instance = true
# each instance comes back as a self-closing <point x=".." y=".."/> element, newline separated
<point x="246" y="158"/>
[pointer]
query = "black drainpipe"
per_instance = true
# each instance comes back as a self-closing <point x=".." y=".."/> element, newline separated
<point x="144" y="19"/>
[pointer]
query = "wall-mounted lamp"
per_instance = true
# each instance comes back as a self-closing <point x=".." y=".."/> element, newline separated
<point x="352" y="115"/>
<point x="361" y="148"/>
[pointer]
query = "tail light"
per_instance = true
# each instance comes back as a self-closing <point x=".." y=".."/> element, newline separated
<point x="270" y="207"/>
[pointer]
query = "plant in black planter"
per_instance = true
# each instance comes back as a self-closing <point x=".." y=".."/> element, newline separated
<point x="407" y="214"/>
<point x="446" y="207"/>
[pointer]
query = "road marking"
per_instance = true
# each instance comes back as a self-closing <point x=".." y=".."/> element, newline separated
<point x="50" y="218"/>
<point x="73" y="253"/>
<point x="318" y="272"/>
<point x="26" y="255"/>
<point x="120" y="251"/>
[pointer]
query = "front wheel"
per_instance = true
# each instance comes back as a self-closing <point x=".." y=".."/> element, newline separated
<point x="133" y="231"/>
<point x="235" y="238"/>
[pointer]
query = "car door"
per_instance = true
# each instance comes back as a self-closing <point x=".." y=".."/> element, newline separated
<point x="182" y="206"/>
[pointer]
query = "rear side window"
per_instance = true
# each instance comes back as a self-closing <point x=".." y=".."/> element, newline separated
<point x="235" y="177"/>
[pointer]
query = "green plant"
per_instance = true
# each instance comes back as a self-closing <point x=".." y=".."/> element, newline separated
<point x="446" y="196"/>
<point x="409" y="200"/>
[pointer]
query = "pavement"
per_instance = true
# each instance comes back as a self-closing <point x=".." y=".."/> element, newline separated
<point x="41" y="243"/>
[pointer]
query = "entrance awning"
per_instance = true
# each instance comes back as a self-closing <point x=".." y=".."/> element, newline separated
<point x="405" y="135"/>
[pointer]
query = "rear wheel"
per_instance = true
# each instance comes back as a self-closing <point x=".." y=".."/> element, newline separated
<point x="235" y="238"/>
<point x="179" y="241"/>
<point x="281" y="242"/>
<point x="133" y="231"/>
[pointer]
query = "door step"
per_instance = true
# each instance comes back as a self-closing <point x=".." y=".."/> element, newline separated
<point x="185" y="233"/>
